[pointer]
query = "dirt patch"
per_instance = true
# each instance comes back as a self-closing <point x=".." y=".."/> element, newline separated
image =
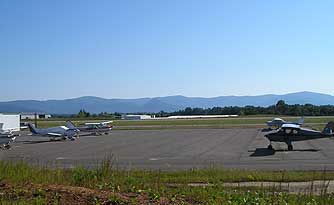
<point x="51" y="194"/>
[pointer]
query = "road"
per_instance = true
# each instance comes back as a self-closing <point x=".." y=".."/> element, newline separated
<point x="176" y="149"/>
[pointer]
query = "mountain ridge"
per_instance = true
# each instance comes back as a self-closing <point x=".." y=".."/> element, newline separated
<point x="168" y="103"/>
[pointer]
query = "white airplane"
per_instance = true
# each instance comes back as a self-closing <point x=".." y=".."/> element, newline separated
<point x="97" y="128"/>
<point x="278" y="122"/>
<point x="6" y="137"/>
<point x="61" y="132"/>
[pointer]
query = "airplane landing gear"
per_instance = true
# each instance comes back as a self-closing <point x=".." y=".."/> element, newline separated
<point x="290" y="147"/>
<point x="7" y="146"/>
<point x="270" y="147"/>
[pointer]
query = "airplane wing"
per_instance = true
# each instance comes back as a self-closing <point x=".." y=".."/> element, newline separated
<point x="291" y="126"/>
<point x="55" y="134"/>
<point x="107" y="122"/>
<point x="92" y="123"/>
<point x="98" y="123"/>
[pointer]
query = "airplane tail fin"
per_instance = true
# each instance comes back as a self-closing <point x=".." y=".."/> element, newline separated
<point x="73" y="131"/>
<point x="301" y="121"/>
<point x="70" y="125"/>
<point x="328" y="130"/>
<point x="32" y="128"/>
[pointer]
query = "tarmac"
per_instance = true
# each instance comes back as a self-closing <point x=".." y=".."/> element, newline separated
<point x="174" y="149"/>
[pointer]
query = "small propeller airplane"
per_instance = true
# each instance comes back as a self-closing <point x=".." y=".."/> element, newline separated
<point x="97" y="128"/>
<point x="53" y="133"/>
<point x="6" y="137"/>
<point x="289" y="133"/>
<point x="278" y="122"/>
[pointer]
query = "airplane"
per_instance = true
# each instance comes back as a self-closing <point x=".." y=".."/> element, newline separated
<point x="6" y="137"/>
<point x="289" y="133"/>
<point x="278" y="122"/>
<point x="62" y="132"/>
<point x="97" y="128"/>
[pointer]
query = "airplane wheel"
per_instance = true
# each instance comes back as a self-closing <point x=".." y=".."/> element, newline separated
<point x="270" y="147"/>
<point x="290" y="147"/>
<point x="106" y="133"/>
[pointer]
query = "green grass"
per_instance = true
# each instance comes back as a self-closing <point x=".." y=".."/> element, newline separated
<point x="317" y="122"/>
<point x="20" y="171"/>
<point x="157" y="184"/>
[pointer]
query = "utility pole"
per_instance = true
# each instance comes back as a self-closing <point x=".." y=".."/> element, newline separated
<point x="35" y="119"/>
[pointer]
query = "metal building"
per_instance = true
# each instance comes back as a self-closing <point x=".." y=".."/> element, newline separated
<point x="10" y="121"/>
<point x="137" y="117"/>
<point x="31" y="116"/>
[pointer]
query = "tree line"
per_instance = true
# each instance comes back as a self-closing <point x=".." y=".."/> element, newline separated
<point x="281" y="108"/>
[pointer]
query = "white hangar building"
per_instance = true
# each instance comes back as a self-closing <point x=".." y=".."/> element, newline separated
<point x="137" y="117"/>
<point x="31" y="116"/>
<point x="10" y="122"/>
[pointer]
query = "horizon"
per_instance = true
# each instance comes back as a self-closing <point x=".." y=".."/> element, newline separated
<point x="91" y="96"/>
<point x="127" y="50"/>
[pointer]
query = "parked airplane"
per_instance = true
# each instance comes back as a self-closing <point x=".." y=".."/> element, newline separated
<point x="278" y="122"/>
<point x="97" y="128"/>
<point x="62" y="132"/>
<point x="6" y="137"/>
<point x="289" y="133"/>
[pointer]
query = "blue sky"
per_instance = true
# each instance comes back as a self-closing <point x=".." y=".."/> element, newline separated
<point x="146" y="48"/>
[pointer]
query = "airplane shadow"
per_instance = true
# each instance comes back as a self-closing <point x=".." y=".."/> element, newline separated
<point x="87" y="135"/>
<point x="40" y="141"/>
<point x="262" y="152"/>
<point x="267" y="130"/>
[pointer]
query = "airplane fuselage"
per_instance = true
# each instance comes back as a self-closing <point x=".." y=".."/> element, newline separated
<point x="290" y="135"/>
<point x="95" y="129"/>
<point x="58" y="130"/>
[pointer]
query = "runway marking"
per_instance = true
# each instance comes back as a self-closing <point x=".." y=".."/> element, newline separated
<point x="60" y="158"/>
<point x="153" y="159"/>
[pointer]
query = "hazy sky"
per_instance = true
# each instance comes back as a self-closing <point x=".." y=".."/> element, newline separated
<point x="144" y="48"/>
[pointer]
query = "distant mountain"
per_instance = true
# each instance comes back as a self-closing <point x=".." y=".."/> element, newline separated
<point x="168" y="104"/>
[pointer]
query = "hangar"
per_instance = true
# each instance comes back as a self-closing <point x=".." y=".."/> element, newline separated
<point x="31" y="116"/>
<point x="10" y="121"/>
<point x="137" y="117"/>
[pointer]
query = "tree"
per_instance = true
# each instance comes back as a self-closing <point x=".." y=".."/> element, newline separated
<point x="82" y="114"/>
<point x="281" y="107"/>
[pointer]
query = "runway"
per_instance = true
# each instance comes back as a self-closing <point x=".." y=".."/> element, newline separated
<point x="176" y="149"/>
